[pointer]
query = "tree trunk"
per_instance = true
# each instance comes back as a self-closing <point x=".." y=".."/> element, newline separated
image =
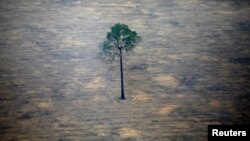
<point x="121" y="68"/>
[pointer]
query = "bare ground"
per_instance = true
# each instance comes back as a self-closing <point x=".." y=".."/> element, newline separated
<point x="190" y="70"/>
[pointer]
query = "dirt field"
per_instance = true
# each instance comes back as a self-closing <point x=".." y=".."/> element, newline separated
<point x="190" y="70"/>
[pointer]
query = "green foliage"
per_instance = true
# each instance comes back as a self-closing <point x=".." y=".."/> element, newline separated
<point x="119" y="36"/>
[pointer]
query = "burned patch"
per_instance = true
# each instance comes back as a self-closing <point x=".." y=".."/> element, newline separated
<point x="28" y="115"/>
<point x="175" y="23"/>
<point x="138" y="67"/>
<point x="240" y="3"/>
<point x="189" y="80"/>
<point x="69" y="2"/>
<point x="241" y="61"/>
<point x="244" y="26"/>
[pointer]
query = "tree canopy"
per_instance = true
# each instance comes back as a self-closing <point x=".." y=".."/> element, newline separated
<point x="120" y="37"/>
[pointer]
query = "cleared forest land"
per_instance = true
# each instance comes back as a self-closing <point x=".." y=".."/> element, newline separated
<point x="190" y="70"/>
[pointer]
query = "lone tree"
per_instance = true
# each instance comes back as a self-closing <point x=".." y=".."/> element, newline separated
<point x="120" y="38"/>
